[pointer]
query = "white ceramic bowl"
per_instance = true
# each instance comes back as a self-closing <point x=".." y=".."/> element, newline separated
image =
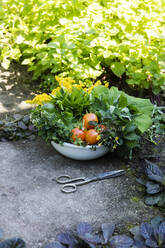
<point x="80" y="152"/>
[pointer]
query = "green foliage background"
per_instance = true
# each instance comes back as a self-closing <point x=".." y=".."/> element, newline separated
<point x="81" y="37"/>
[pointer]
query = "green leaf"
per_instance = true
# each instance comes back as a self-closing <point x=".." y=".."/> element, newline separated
<point x="123" y="101"/>
<point x="5" y="63"/>
<point x="131" y="136"/>
<point x="117" y="68"/>
<point x="143" y="122"/>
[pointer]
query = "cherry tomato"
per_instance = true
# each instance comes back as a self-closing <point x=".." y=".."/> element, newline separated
<point x="77" y="133"/>
<point x="91" y="136"/>
<point x="89" y="117"/>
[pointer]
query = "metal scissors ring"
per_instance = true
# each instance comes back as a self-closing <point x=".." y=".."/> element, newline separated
<point x="70" y="184"/>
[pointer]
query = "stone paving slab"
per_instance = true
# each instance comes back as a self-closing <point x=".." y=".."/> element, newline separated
<point x="33" y="207"/>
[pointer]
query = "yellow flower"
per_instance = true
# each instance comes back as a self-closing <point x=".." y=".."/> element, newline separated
<point x="114" y="147"/>
<point x="54" y="91"/>
<point x="116" y="138"/>
<point x="98" y="83"/>
<point x="98" y="137"/>
<point x="40" y="99"/>
<point x="106" y="85"/>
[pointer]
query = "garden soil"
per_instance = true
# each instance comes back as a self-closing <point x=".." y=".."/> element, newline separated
<point x="32" y="205"/>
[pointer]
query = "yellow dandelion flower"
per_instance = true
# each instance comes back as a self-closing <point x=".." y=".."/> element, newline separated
<point x="116" y="138"/>
<point x="40" y="99"/>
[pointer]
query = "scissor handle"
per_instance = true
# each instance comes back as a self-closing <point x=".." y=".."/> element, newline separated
<point x="65" y="179"/>
<point x="69" y="188"/>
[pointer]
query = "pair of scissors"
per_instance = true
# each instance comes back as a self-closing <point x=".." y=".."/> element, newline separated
<point x="70" y="184"/>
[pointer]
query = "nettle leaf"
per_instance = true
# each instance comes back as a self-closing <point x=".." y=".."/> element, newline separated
<point x="153" y="172"/>
<point x="66" y="239"/>
<point x="84" y="228"/>
<point x="117" y="68"/>
<point x="146" y="230"/>
<point x="153" y="188"/>
<point x="121" y="241"/>
<point x="55" y="244"/>
<point x="107" y="229"/>
<point x="13" y="243"/>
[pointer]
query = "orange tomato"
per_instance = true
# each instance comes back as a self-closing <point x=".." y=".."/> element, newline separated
<point x="77" y="133"/>
<point x="89" y="117"/>
<point x="91" y="136"/>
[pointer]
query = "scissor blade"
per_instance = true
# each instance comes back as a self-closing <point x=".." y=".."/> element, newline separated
<point x="109" y="174"/>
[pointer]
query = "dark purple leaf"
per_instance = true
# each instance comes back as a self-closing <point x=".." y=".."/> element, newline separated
<point x="32" y="128"/>
<point x="162" y="228"/>
<point x="155" y="222"/>
<point x="151" y="243"/>
<point x="55" y="244"/>
<point x="94" y="239"/>
<point x="146" y="230"/>
<point x="152" y="200"/>
<point x="153" y="188"/>
<point x="161" y="202"/>
<point x="17" y="117"/>
<point x="91" y="245"/>
<point x="26" y="119"/>
<point x="141" y="181"/>
<point x="13" y="243"/>
<point x="139" y="244"/>
<point x="159" y="237"/>
<point x="153" y="172"/>
<point x="66" y="239"/>
<point x="135" y="231"/>
<point x="83" y="228"/>
<point x="107" y="229"/>
<point x="121" y="241"/>
<point x="21" y="125"/>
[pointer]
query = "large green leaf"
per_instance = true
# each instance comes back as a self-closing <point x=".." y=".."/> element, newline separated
<point x="144" y="109"/>
<point x="117" y="68"/>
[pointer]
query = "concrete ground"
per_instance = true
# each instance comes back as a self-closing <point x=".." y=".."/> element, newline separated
<point x="32" y="205"/>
